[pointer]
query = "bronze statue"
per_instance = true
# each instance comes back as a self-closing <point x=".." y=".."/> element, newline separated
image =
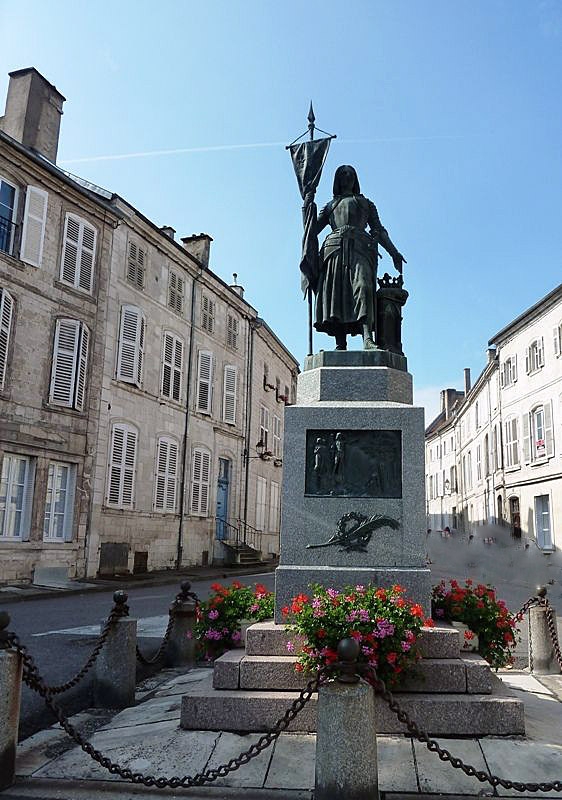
<point x="346" y="286"/>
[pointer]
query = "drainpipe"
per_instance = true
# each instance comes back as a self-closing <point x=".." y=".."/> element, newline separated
<point x="249" y="385"/>
<point x="179" y="551"/>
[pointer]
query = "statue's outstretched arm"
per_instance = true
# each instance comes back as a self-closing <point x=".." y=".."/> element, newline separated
<point x="381" y="235"/>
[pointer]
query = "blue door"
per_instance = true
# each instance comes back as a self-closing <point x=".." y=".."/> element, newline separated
<point x="222" y="498"/>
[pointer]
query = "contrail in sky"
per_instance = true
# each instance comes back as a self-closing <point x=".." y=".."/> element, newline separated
<point x="253" y="145"/>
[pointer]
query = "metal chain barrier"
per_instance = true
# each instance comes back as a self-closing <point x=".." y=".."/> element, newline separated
<point x="182" y="596"/>
<point x="553" y="630"/>
<point x="34" y="680"/>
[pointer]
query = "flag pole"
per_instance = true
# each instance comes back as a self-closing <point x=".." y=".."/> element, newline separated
<point x="311" y="120"/>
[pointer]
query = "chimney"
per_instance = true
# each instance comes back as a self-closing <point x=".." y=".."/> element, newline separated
<point x="466" y="381"/>
<point x="199" y="245"/>
<point x="33" y="112"/>
<point x="168" y="231"/>
<point x="448" y="397"/>
<point x="239" y="290"/>
<point x="491" y="353"/>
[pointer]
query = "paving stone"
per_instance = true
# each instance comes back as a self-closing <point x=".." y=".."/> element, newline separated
<point x="293" y="762"/>
<point x="436" y="776"/>
<point x="231" y="745"/>
<point x="523" y="761"/>
<point x="553" y="683"/>
<point x="226" y="670"/>
<point x="158" y="709"/>
<point x="36" y="751"/>
<point x="397" y="769"/>
<point x="156" y="749"/>
<point x="525" y="682"/>
<point x="479" y="677"/>
<point x="178" y="685"/>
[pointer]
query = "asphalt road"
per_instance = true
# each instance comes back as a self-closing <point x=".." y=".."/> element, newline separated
<point x="59" y="656"/>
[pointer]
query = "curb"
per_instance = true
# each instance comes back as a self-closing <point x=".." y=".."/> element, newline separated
<point x="158" y="579"/>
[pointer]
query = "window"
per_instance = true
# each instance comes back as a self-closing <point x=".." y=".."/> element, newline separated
<point x="538" y="439"/>
<point x="476" y="416"/>
<point x="444" y="448"/>
<point x="232" y="331"/>
<point x="467" y="470"/>
<point x="59" y="502"/>
<point x="229" y="394"/>
<point x="205" y="382"/>
<point x="200" y="479"/>
<point x="136" y="261"/>
<point x="535" y="356"/>
<point x="496" y="448"/>
<point x="6" y="314"/>
<point x="276" y="436"/>
<point x="261" y="502"/>
<point x="207" y="314"/>
<point x="557" y="339"/>
<point x="130" y="355"/>
<point x="8" y="205"/>
<point x="542" y="522"/>
<point x="122" y="466"/>
<point x="453" y="478"/>
<point x="176" y="286"/>
<point x="78" y="253"/>
<point x="70" y="363"/>
<point x="274" y="507"/>
<point x="166" y="474"/>
<point x="486" y="456"/>
<point x="172" y="366"/>
<point x="264" y="426"/>
<point x="16" y="496"/>
<point x="508" y="372"/>
<point x="511" y="442"/>
<point x="479" y="463"/>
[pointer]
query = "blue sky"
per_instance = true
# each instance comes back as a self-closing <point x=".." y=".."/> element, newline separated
<point x="450" y="112"/>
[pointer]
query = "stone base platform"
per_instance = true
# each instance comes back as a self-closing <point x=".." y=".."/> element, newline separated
<point x="452" y="693"/>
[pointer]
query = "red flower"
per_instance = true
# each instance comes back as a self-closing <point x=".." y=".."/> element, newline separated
<point x="236" y="585"/>
<point x="298" y="667"/>
<point x="397" y="589"/>
<point x="429" y="623"/>
<point x="301" y="598"/>
<point x="391" y="657"/>
<point x="285" y="610"/>
<point x="356" y="635"/>
<point x="468" y="581"/>
<point x="400" y="603"/>
<point x="321" y="633"/>
<point x="508" y="637"/>
<point x="417" y="610"/>
<point x="380" y="594"/>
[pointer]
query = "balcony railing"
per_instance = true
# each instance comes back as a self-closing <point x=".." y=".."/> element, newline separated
<point x="7" y="235"/>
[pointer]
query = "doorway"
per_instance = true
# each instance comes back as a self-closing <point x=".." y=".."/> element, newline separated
<point x="223" y="486"/>
<point x="515" y="517"/>
<point x="542" y="522"/>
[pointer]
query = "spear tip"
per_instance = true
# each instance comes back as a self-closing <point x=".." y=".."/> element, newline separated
<point x="311" y="117"/>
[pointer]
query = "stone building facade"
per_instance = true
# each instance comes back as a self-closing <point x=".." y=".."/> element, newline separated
<point x="130" y="377"/>
<point x="502" y="438"/>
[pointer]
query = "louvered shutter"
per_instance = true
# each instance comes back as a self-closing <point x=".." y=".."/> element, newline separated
<point x="129" y="467"/>
<point x="6" y="314"/>
<point x="514" y="367"/>
<point x="515" y="440"/>
<point x="540" y="352"/>
<point x="172" y="366"/>
<point x="78" y="254"/>
<point x="200" y="475"/>
<point x="115" y="465"/>
<point x="229" y="396"/>
<point x="65" y="361"/>
<point x="34" y="223"/>
<point x="131" y="345"/>
<point x="69" y="505"/>
<point x="556" y="340"/>
<point x="548" y="433"/>
<point x="526" y="438"/>
<point x="170" y="499"/>
<point x="175" y="292"/>
<point x="82" y="368"/>
<point x="205" y="382"/>
<point x="135" y="265"/>
<point x="161" y="472"/>
<point x="122" y="466"/>
<point x="178" y="369"/>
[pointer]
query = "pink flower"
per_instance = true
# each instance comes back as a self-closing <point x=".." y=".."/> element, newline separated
<point x="332" y="593"/>
<point x="405" y="646"/>
<point x="254" y="607"/>
<point x="189" y="635"/>
<point x="236" y="636"/>
<point x="290" y="647"/>
<point x="213" y="614"/>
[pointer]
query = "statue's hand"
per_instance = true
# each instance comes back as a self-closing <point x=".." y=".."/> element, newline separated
<point x="399" y="261"/>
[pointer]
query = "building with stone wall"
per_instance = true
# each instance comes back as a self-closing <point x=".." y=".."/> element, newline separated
<point x="506" y="433"/>
<point x="133" y="391"/>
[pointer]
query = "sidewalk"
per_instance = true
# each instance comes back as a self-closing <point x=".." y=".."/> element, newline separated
<point x="11" y="594"/>
<point x="147" y="738"/>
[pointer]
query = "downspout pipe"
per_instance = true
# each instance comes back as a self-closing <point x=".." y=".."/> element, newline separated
<point x="179" y="550"/>
<point x="249" y="386"/>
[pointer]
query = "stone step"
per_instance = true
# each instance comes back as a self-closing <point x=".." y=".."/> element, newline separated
<point x="270" y="639"/>
<point x="496" y="714"/>
<point x="236" y="670"/>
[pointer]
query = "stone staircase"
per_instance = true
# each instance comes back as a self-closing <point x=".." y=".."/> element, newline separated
<point x="451" y="694"/>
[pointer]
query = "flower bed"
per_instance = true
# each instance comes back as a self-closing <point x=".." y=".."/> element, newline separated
<point x="385" y="624"/>
<point x="217" y="627"/>
<point x="485" y="615"/>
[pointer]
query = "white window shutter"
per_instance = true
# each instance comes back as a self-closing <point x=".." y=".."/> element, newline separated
<point x="34" y="223"/>
<point x="6" y="315"/>
<point x="548" y="433"/>
<point x="526" y="438"/>
<point x="515" y="439"/>
<point x="229" y="395"/>
<point x="122" y="466"/>
<point x="65" y="360"/>
<point x="205" y="382"/>
<point x="161" y="471"/>
<point x="556" y="340"/>
<point x="69" y="260"/>
<point x="140" y="349"/>
<point x="115" y="465"/>
<point x="82" y="368"/>
<point x="69" y="505"/>
<point x="131" y="344"/>
<point x="129" y="467"/>
<point x="502" y="375"/>
<point x="87" y="257"/>
<point x="540" y="354"/>
<point x="514" y="367"/>
<point x="78" y="253"/>
<point x="200" y="476"/>
<point x="170" y="499"/>
<point x="135" y="265"/>
<point x="528" y="360"/>
<point x="172" y="366"/>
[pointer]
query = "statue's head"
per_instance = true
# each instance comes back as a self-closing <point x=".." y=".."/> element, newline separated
<point x="346" y="180"/>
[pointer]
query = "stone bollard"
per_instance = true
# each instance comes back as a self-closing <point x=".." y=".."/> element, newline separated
<point x="346" y="745"/>
<point x="542" y="660"/>
<point x="116" y="665"/>
<point x="180" y="651"/>
<point x="10" y="695"/>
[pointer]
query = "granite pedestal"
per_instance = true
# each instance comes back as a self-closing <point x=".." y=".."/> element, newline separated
<point x="350" y="400"/>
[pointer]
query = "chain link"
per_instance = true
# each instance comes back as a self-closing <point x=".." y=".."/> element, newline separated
<point x="163" y="645"/>
<point x="34" y="680"/>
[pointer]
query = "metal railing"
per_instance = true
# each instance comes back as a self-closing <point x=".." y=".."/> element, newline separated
<point x="239" y="535"/>
<point x="7" y="235"/>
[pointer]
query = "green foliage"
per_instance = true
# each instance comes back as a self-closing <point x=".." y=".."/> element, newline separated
<point x="485" y="615"/>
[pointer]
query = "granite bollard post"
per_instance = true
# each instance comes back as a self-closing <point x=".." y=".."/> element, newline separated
<point x="542" y="660"/>
<point x="181" y="645"/>
<point x="10" y="695"/>
<point x="116" y="665"/>
<point x="346" y="745"/>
